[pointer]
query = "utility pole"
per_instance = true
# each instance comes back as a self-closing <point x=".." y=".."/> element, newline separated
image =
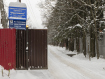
<point x="4" y="19"/>
<point x="0" y="10"/>
<point x="20" y="1"/>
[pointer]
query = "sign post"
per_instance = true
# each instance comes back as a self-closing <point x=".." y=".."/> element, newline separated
<point x="17" y="15"/>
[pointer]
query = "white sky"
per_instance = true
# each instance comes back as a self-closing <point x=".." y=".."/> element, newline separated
<point x="33" y="11"/>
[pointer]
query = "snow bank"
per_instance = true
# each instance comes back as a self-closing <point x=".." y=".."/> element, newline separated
<point x="16" y="74"/>
<point x="1" y="26"/>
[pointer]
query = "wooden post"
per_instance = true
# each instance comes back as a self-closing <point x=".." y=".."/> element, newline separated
<point x="20" y="1"/>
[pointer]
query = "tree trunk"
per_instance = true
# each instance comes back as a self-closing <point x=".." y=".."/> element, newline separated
<point x="92" y="42"/>
<point x="84" y="44"/>
<point x="66" y="44"/>
<point x="93" y="46"/>
<point x="96" y="36"/>
<point x="71" y="46"/>
<point x="90" y="53"/>
<point x="77" y="44"/>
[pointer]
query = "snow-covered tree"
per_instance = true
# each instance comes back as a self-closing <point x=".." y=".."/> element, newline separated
<point x="66" y="14"/>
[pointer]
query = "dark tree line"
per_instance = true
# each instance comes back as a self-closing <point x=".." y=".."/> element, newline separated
<point x="74" y="19"/>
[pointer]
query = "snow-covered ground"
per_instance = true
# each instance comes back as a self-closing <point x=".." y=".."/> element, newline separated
<point x="1" y="26"/>
<point x="62" y="66"/>
<point x="0" y="21"/>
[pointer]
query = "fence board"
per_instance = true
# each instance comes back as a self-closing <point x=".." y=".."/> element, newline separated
<point x="37" y="48"/>
<point x="21" y="49"/>
<point x="8" y="48"/>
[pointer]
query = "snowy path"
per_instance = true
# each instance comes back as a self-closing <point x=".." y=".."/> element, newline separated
<point x="64" y="69"/>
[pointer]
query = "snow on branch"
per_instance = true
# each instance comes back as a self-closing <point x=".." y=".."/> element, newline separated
<point x="82" y="18"/>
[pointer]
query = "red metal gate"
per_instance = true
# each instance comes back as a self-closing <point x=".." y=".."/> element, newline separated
<point x="8" y="48"/>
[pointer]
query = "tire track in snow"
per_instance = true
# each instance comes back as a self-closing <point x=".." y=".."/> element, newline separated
<point x="88" y="74"/>
<point x="55" y="70"/>
<point x="61" y="71"/>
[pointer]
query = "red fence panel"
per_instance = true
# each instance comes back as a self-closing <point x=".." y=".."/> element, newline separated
<point x="8" y="48"/>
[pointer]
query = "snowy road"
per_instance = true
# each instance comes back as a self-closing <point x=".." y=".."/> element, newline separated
<point x="61" y="66"/>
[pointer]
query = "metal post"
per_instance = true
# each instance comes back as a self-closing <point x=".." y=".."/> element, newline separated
<point x="27" y="47"/>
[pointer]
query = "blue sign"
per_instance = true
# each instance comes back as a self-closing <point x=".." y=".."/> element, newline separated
<point x="17" y="13"/>
<point x="17" y="24"/>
